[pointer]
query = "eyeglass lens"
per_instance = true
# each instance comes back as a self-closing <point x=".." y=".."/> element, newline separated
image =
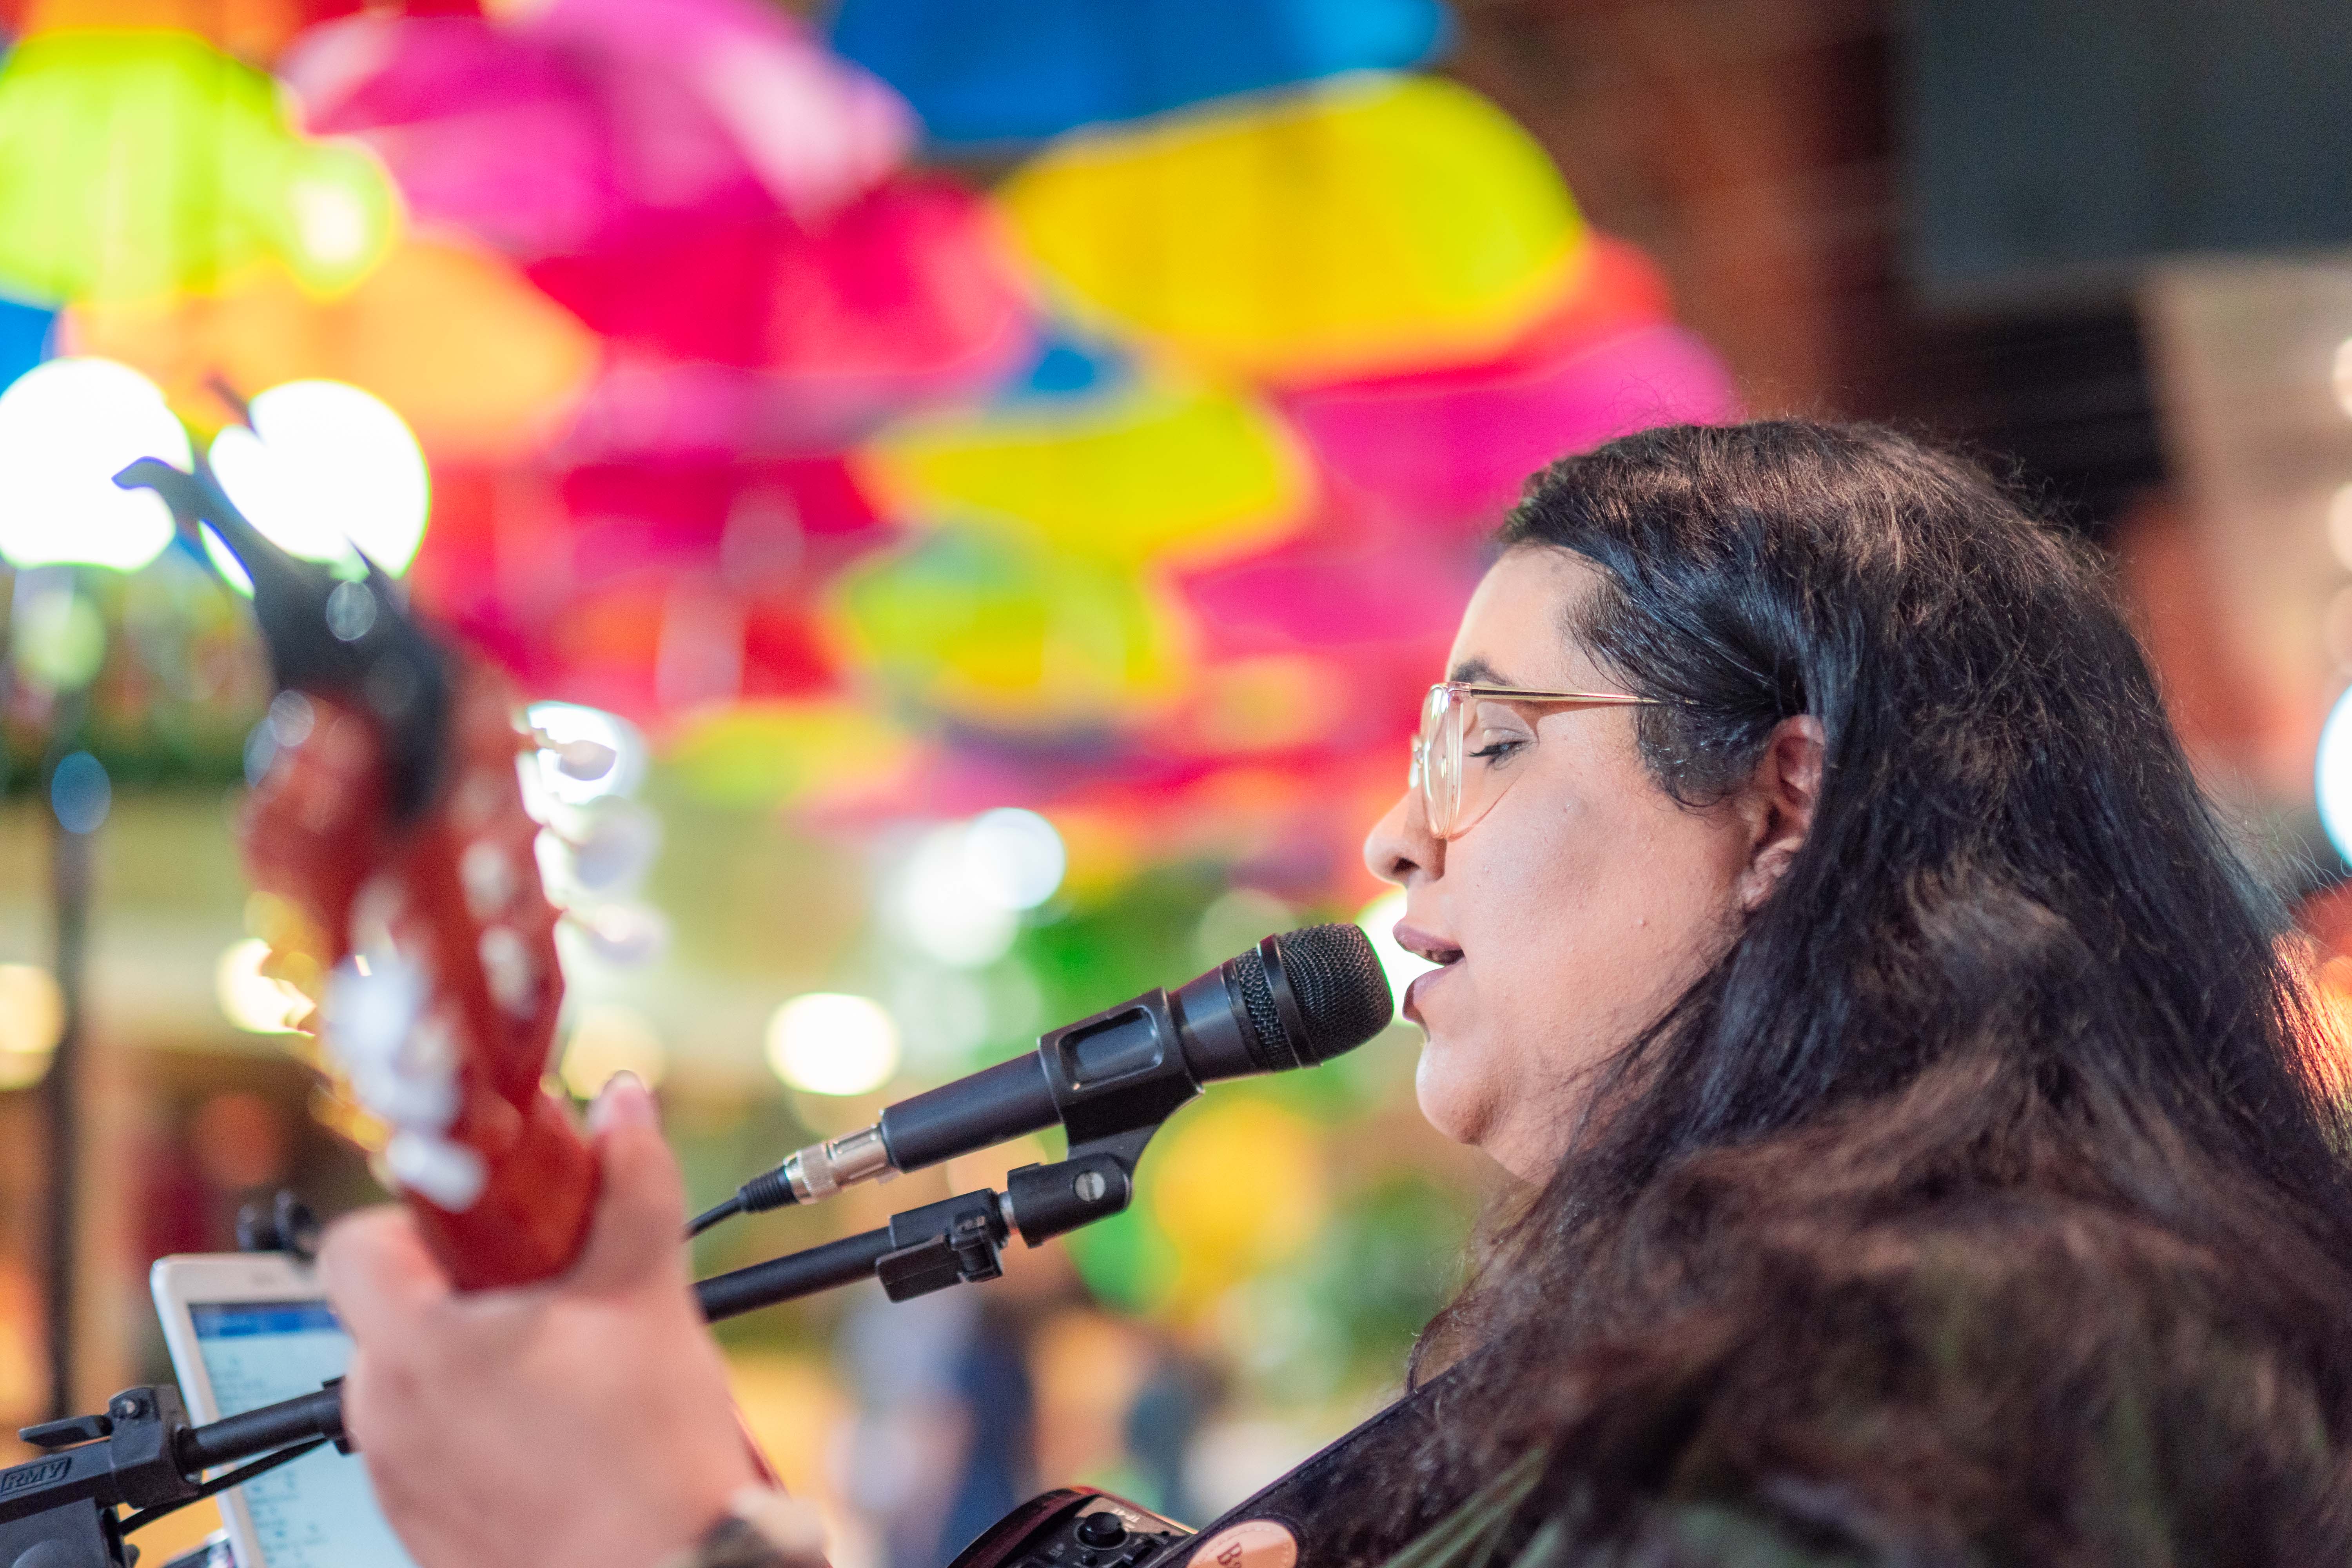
<point x="1458" y="760"/>
<point x="1439" y="755"/>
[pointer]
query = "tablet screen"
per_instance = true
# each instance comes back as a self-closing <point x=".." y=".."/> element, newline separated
<point x="319" y="1511"/>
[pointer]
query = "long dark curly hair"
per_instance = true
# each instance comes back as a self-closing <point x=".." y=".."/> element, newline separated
<point x="1988" y="1201"/>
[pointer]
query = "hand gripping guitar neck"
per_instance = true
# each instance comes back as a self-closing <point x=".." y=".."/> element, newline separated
<point x="390" y="822"/>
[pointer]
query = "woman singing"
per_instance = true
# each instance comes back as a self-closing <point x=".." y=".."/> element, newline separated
<point x="1927" y="1151"/>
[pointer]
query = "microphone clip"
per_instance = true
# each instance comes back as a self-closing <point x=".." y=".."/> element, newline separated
<point x="957" y="1241"/>
<point x="944" y="1244"/>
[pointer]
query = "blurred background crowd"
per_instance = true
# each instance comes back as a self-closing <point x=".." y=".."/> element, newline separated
<point x="1001" y="473"/>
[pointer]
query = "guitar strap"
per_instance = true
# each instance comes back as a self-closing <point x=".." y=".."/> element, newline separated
<point x="1313" y="1514"/>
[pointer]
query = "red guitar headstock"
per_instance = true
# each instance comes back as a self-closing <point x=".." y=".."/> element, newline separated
<point x="392" y="818"/>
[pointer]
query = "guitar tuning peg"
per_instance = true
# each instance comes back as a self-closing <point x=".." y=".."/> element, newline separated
<point x="583" y="760"/>
<point x="618" y="842"/>
<point x="449" y="1174"/>
<point x="399" y="1061"/>
<point x="622" y="933"/>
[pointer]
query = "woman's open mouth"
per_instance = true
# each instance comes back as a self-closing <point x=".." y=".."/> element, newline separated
<point x="1436" y="950"/>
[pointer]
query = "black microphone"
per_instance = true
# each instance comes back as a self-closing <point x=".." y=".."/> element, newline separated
<point x="1292" y="1001"/>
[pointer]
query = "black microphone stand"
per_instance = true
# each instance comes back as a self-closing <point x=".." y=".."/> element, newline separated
<point x="58" y="1510"/>
<point x="143" y="1453"/>
<point x="953" y="1242"/>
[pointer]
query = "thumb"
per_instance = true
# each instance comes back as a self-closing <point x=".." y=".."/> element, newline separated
<point x="633" y="1239"/>
<point x="378" y="1273"/>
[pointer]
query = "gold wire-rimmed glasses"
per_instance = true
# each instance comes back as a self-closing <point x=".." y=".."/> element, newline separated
<point x="1468" y="734"/>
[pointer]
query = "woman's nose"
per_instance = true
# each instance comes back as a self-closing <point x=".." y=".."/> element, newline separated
<point x="1401" y="848"/>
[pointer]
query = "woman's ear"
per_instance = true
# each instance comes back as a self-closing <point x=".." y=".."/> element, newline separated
<point x="1777" y="806"/>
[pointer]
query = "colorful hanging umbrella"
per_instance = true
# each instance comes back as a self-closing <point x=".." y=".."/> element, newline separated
<point x="661" y="646"/>
<point x="648" y="589"/>
<point x="997" y="70"/>
<point x="250" y="30"/>
<point x="583" y="122"/>
<point x="1458" y="449"/>
<point x="480" y="363"/>
<point x="487" y="132"/>
<point x="814" y="754"/>
<point x="1369" y="224"/>
<point x="815" y="130"/>
<point x="1155" y="472"/>
<point x="1346" y="589"/>
<point x="754" y="525"/>
<point x="990" y="628"/>
<point x="134" y="163"/>
<point x="1455" y="446"/>
<point x="1378" y="605"/>
<point x="906" y="295"/>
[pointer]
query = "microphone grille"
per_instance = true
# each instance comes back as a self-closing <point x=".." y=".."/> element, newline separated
<point x="1342" y="993"/>
<point x="1270" y="1047"/>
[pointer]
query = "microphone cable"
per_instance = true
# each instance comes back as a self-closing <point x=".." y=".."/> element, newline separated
<point x="713" y="1215"/>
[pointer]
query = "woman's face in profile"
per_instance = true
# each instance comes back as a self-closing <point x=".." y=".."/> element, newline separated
<point x="1571" y="914"/>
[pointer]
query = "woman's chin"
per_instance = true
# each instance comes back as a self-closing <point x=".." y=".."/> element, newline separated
<point x="1448" y="1102"/>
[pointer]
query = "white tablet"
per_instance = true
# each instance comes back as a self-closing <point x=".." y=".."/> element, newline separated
<point x="248" y="1329"/>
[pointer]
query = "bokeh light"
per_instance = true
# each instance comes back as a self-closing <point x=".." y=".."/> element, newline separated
<point x="610" y="1038"/>
<point x="57" y="635"/>
<point x="959" y="894"/>
<point x="66" y="428"/>
<point x="32" y="1014"/>
<point x="254" y="1002"/>
<point x="1014" y="857"/>
<point x="943" y="910"/>
<point x="830" y="1042"/>
<point x="324" y="467"/>
<point x="80" y="793"/>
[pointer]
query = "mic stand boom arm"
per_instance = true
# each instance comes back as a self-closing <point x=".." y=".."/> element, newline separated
<point x="59" y="1511"/>
<point x="953" y="1242"/>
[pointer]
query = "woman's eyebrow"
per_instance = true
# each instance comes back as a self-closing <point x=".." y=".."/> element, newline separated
<point x="1479" y="672"/>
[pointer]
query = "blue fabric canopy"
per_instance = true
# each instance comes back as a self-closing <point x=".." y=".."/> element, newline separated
<point x="1017" y="70"/>
<point x="24" y="337"/>
<point x="1066" y="364"/>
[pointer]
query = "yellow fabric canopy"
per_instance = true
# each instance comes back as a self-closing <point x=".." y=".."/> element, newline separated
<point x="994" y="630"/>
<point x="1370" y="222"/>
<point x="477" y="361"/>
<point x="1149" y="473"/>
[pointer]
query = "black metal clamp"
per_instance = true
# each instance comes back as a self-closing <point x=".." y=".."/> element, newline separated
<point x="143" y="1453"/>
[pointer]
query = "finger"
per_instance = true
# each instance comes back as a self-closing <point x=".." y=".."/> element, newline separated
<point x="378" y="1273"/>
<point x="633" y="1239"/>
